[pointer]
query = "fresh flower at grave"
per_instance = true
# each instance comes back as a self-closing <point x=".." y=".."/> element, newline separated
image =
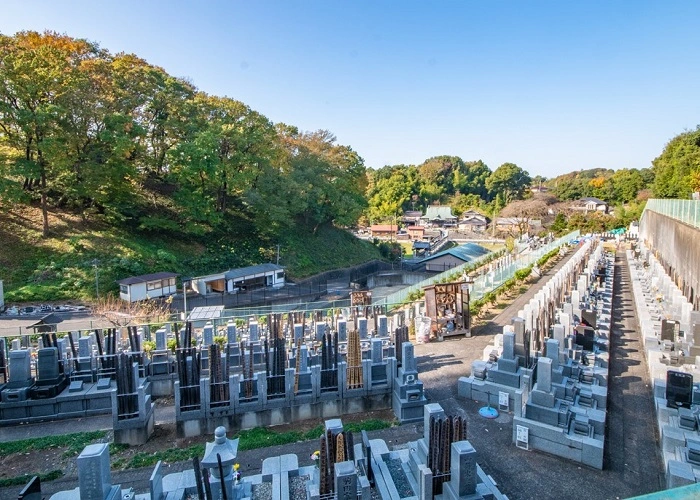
<point x="236" y="466"/>
<point x="316" y="456"/>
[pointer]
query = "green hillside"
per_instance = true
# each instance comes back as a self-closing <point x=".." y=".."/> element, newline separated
<point x="62" y="265"/>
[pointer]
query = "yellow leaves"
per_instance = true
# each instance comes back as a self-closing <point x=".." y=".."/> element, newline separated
<point x="694" y="180"/>
<point x="597" y="182"/>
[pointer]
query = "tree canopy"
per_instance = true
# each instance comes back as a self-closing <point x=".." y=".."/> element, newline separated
<point x="677" y="166"/>
<point x="111" y="136"/>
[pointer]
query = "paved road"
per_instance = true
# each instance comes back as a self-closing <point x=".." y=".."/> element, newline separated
<point x="632" y="460"/>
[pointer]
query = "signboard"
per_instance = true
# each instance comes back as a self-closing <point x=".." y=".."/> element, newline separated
<point x="503" y="401"/>
<point x="522" y="435"/>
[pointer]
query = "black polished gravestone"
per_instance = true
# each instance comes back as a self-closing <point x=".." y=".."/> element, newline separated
<point x="670" y="330"/>
<point x="32" y="490"/>
<point x="589" y="318"/>
<point x="585" y="337"/>
<point x="679" y="389"/>
<point x="50" y="380"/>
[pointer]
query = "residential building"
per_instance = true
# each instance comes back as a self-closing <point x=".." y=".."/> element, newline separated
<point x="473" y="221"/>
<point x="147" y="286"/>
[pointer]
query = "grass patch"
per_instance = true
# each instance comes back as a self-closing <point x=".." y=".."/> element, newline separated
<point x="171" y="455"/>
<point x="22" y="480"/>
<point x="73" y="443"/>
<point x="314" y="433"/>
<point x="260" y="437"/>
<point x="115" y="448"/>
<point x="60" y="266"/>
<point x="367" y="425"/>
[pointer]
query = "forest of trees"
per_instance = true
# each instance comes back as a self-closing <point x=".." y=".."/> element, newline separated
<point x="111" y="136"/>
<point x="116" y="139"/>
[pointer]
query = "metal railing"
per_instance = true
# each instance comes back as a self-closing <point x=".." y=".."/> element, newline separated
<point x="485" y="283"/>
<point x="686" y="211"/>
<point x="402" y="295"/>
<point x="495" y="278"/>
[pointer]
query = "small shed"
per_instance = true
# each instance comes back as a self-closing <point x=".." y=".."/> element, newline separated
<point x="240" y="280"/>
<point x="147" y="286"/>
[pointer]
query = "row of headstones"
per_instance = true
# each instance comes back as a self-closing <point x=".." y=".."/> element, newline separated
<point x="571" y="387"/>
<point x="379" y="375"/>
<point x="670" y="332"/>
<point x="564" y="385"/>
<point x="505" y="365"/>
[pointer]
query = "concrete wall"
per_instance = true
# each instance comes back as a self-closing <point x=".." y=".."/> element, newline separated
<point x="676" y="246"/>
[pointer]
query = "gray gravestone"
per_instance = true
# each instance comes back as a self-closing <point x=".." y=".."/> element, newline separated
<point x="552" y="350"/>
<point x="342" y="330"/>
<point x="408" y="359"/>
<point x="156" y="483"/>
<point x="161" y="339"/>
<point x="231" y="334"/>
<point x="84" y="347"/>
<point x="383" y="326"/>
<point x="253" y="335"/>
<point x="94" y="476"/>
<point x="208" y="335"/>
<point x="304" y="358"/>
<point x="345" y="481"/>
<point x="377" y="351"/>
<point x="298" y="332"/>
<point x="20" y="366"/>
<point x="508" y="345"/>
<point x="362" y="327"/>
<point x="544" y="374"/>
<point x="320" y="330"/>
<point x="463" y="469"/>
<point x="558" y="333"/>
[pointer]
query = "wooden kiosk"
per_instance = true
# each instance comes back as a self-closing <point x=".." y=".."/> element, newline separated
<point x="447" y="306"/>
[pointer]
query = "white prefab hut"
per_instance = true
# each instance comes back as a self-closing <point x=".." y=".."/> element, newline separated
<point x="147" y="286"/>
<point x="240" y="280"/>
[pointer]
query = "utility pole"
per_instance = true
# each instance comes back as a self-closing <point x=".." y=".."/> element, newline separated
<point x="185" y="281"/>
<point x="97" y="283"/>
<point x="278" y="254"/>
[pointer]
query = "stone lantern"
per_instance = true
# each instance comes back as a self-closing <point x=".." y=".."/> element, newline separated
<point x="226" y="449"/>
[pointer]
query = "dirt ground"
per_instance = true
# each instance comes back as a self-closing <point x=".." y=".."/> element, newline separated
<point x="164" y="438"/>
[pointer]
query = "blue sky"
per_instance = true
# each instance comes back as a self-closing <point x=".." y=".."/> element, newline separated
<point x="552" y="86"/>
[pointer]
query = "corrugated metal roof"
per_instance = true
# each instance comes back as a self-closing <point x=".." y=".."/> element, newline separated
<point x="147" y="277"/>
<point x="466" y="252"/>
<point x="438" y="212"/>
<point x="251" y="270"/>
